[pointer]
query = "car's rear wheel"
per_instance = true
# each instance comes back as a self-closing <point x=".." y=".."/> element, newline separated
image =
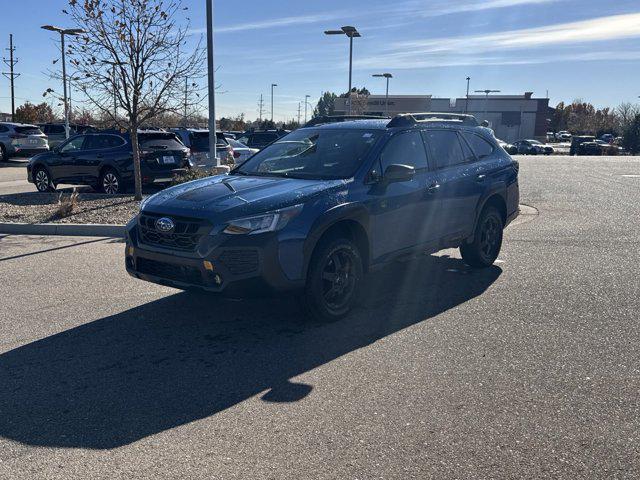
<point x="110" y="182"/>
<point x="42" y="180"/>
<point x="487" y="240"/>
<point x="3" y="154"/>
<point x="334" y="278"/>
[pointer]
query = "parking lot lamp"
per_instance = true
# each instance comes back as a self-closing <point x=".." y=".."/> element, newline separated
<point x="63" y="32"/>
<point x="211" y="86"/>
<point x="486" y="103"/>
<point x="386" y="98"/>
<point x="273" y="85"/>
<point x="466" y="103"/>
<point x="306" y="102"/>
<point x="352" y="33"/>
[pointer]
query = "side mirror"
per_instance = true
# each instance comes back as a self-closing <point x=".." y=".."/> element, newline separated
<point x="398" y="173"/>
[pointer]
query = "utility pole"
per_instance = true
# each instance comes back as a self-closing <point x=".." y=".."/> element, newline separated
<point x="11" y="75"/>
<point x="299" y="108"/>
<point x="261" y="108"/>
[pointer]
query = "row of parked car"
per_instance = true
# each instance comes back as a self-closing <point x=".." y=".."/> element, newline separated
<point x="104" y="158"/>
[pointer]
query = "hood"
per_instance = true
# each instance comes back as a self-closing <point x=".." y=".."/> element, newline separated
<point x="230" y="196"/>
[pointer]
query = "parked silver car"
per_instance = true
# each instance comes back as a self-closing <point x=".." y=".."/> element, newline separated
<point x="241" y="153"/>
<point x="19" y="139"/>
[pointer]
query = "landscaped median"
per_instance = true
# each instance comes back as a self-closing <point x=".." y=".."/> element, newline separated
<point x="89" y="214"/>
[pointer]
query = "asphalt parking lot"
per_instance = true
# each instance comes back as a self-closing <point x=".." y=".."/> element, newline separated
<point x="529" y="369"/>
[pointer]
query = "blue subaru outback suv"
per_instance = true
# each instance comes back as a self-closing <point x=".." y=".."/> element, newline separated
<point x="323" y="205"/>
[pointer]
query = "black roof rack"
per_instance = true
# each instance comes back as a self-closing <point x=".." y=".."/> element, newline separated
<point x="407" y="119"/>
<point x="322" y="119"/>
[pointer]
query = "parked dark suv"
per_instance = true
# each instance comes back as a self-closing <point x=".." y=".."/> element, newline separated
<point x="105" y="161"/>
<point x="323" y="205"/>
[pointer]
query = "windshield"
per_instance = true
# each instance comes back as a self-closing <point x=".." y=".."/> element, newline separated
<point x="313" y="153"/>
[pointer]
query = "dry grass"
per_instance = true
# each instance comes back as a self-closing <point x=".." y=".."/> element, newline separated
<point x="67" y="205"/>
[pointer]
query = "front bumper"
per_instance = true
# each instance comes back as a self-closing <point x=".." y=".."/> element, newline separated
<point x="239" y="266"/>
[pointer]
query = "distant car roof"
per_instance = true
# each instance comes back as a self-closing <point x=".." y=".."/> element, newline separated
<point x="16" y="124"/>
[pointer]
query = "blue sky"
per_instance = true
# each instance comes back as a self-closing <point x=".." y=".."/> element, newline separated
<point x="587" y="49"/>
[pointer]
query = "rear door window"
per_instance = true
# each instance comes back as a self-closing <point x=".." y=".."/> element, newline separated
<point x="445" y="147"/>
<point x="405" y="149"/>
<point x="479" y="145"/>
<point x="30" y="130"/>
<point x="98" y="142"/>
<point x="160" y="141"/>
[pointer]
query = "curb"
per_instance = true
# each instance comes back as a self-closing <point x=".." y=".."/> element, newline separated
<point x="70" y="229"/>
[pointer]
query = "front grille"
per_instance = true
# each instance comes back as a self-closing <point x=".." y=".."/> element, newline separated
<point x="240" y="261"/>
<point x="170" y="271"/>
<point x="184" y="237"/>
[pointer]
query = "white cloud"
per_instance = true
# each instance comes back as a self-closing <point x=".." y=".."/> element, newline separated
<point x="270" y="23"/>
<point x="460" y="6"/>
<point x="465" y="50"/>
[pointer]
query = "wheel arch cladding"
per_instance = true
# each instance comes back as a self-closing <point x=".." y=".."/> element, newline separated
<point x="497" y="201"/>
<point x="351" y="229"/>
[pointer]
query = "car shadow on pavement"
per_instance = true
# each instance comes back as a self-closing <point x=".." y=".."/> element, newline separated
<point x="187" y="356"/>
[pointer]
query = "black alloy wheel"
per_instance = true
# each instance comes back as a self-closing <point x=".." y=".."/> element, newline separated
<point x="487" y="241"/>
<point x="334" y="278"/>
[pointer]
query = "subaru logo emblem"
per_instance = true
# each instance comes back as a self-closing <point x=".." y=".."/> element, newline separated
<point x="165" y="225"/>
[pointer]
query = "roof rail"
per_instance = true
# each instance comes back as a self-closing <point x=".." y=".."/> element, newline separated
<point x="407" y="119"/>
<point x="323" y="119"/>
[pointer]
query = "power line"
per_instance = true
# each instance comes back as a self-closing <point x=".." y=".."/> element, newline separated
<point x="11" y="75"/>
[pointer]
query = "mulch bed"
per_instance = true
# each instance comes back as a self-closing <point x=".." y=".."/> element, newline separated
<point x="34" y="207"/>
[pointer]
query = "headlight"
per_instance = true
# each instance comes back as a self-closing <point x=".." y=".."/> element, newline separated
<point x="267" y="222"/>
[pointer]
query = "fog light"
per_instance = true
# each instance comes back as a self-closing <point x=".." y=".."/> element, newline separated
<point x="208" y="265"/>
<point x="217" y="279"/>
<point x="130" y="251"/>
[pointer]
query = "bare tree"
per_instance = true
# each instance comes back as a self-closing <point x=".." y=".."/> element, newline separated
<point x="134" y="58"/>
<point x="625" y="114"/>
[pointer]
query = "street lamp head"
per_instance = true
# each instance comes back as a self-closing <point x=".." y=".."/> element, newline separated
<point x="350" y="31"/>
<point x="333" y="32"/>
<point x="64" y="31"/>
<point x="274" y="84"/>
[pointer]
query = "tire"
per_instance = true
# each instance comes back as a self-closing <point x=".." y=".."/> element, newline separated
<point x="487" y="240"/>
<point x="110" y="182"/>
<point x="3" y="154"/>
<point x="333" y="280"/>
<point x="42" y="180"/>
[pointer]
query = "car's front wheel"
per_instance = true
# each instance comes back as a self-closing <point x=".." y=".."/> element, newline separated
<point x="334" y="279"/>
<point x="487" y="240"/>
<point x="42" y="180"/>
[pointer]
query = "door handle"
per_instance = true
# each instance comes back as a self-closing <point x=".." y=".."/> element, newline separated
<point x="433" y="188"/>
<point x="481" y="178"/>
<point x="99" y="155"/>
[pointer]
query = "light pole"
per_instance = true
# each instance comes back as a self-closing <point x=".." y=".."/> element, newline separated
<point x="211" y="86"/>
<point x="486" y="103"/>
<point x="352" y="33"/>
<point x="63" y="32"/>
<point x="466" y="103"/>
<point x="306" y="102"/>
<point x="273" y="85"/>
<point x="386" y="98"/>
